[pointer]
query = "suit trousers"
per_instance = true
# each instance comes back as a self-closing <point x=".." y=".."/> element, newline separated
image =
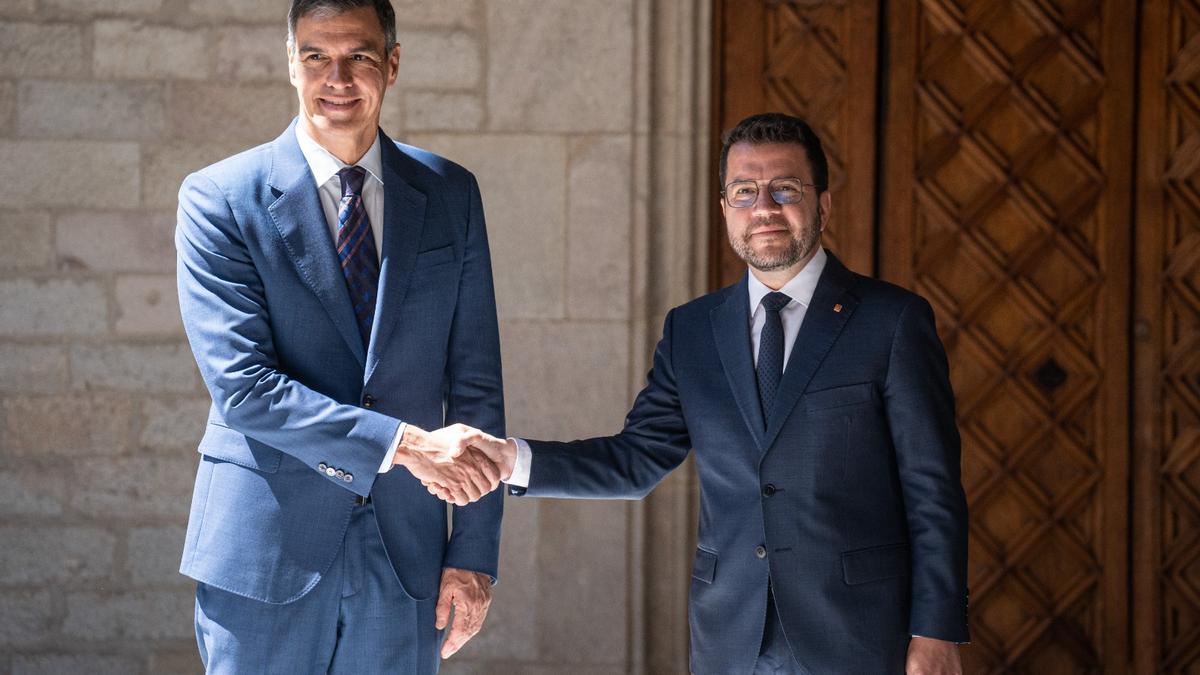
<point x="358" y="619"/>
<point x="775" y="656"/>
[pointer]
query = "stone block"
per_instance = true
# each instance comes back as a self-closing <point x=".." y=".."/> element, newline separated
<point x="442" y="111"/>
<point x="176" y="662"/>
<point x="158" y="368"/>
<point x="565" y="380"/>
<point x="144" y="488"/>
<point x="91" y="7"/>
<point x="137" y="50"/>
<point x="589" y="85"/>
<point x="241" y="10"/>
<point x="53" y="307"/>
<point x="117" y="241"/>
<point x="439" y="60"/>
<point x="72" y="425"/>
<point x="148" y="305"/>
<point x="99" y="174"/>
<point x="446" y="13"/>
<point x="28" y="618"/>
<point x="8" y="106"/>
<point x="253" y="53"/>
<point x="29" y="369"/>
<point x="591" y="570"/>
<point x="41" y="555"/>
<point x="30" y="491"/>
<point x="176" y="423"/>
<point x="92" y="664"/>
<point x="523" y="183"/>
<point x="154" y="554"/>
<point x="251" y="113"/>
<point x="166" y="165"/>
<point x="42" y="50"/>
<point x="25" y="241"/>
<point x="599" y="230"/>
<point x="138" y="615"/>
<point x="18" y="7"/>
<point x="100" y="110"/>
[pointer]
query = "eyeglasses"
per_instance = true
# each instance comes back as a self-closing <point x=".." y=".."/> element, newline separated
<point x="742" y="193"/>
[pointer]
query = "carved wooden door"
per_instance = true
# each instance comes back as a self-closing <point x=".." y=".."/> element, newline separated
<point x="1037" y="169"/>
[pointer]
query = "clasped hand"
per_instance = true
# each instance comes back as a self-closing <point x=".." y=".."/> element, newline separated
<point x="458" y="463"/>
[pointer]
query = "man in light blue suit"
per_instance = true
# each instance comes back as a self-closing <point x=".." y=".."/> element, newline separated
<point x="336" y="289"/>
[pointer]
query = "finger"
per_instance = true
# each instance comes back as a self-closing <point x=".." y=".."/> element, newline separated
<point x="454" y="638"/>
<point x="490" y="471"/>
<point x="442" y="612"/>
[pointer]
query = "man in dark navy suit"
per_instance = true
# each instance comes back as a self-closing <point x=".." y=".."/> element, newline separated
<point x="833" y="525"/>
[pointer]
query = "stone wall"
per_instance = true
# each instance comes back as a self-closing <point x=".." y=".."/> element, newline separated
<point x="105" y="105"/>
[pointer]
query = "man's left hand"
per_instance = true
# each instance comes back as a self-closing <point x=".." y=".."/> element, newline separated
<point x="927" y="656"/>
<point x="469" y="593"/>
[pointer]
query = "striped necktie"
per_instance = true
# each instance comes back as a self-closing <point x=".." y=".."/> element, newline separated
<point x="356" y="250"/>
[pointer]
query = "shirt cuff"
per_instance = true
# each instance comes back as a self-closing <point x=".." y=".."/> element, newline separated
<point x="390" y="458"/>
<point x="520" y="472"/>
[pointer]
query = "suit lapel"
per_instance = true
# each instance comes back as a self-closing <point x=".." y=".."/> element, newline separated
<point x="831" y="306"/>
<point x="731" y="330"/>
<point x="301" y="222"/>
<point x="404" y="221"/>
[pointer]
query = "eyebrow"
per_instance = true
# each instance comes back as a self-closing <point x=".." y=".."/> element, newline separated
<point x="359" y="48"/>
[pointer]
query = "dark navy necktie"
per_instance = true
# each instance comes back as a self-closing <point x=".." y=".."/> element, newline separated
<point x="770" y="352"/>
<point x="356" y="250"/>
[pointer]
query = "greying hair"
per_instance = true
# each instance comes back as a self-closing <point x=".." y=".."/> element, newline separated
<point x="778" y="128"/>
<point x="383" y="10"/>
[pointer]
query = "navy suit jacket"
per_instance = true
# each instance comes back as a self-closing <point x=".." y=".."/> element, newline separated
<point x="848" y="498"/>
<point x="294" y="392"/>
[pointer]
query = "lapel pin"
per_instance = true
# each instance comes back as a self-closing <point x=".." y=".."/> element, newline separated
<point x="838" y="308"/>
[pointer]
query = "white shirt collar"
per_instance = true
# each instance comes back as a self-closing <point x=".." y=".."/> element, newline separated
<point x="799" y="288"/>
<point x="325" y="166"/>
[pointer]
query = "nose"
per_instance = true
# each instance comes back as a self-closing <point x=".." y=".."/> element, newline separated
<point x="339" y="74"/>
<point x="765" y="203"/>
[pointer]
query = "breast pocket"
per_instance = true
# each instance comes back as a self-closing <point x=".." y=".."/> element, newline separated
<point x="839" y="397"/>
<point x="435" y="257"/>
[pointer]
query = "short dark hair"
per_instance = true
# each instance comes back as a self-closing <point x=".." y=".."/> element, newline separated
<point x="383" y="10"/>
<point x="776" y="127"/>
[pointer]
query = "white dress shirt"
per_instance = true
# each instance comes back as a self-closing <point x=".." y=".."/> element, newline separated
<point x="800" y="288"/>
<point x="324" y="167"/>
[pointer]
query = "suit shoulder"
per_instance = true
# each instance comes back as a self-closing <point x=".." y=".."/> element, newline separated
<point x="241" y="168"/>
<point x="700" y="308"/>
<point x="885" y="297"/>
<point x="434" y="163"/>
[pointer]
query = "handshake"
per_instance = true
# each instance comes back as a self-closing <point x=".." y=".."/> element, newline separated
<point x="458" y="463"/>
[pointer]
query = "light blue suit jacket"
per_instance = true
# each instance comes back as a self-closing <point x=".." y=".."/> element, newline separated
<point x="269" y="320"/>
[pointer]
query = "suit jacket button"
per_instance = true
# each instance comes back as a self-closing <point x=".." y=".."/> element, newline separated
<point x="349" y="477"/>
<point x="768" y="490"/>
<point x="368" y="401"/>
<point x="330" y="471"/>
<point x="322" y="466"/>
<point x="760" y="551"/>
<point x="340" y="473"/>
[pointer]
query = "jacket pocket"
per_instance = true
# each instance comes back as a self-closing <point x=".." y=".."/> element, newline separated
<point x="435" y="256"/>
<point x="838" y="397"/>
<point x="875" y="563"/>
<point x="704" y="568"/>
<point x="221" y="442"/>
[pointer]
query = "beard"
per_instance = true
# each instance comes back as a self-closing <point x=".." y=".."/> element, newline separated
<point x="797" y="247"/>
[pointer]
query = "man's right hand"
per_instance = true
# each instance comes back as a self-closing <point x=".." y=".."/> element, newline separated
<point x="450" y="458"/>
<point x="501" y="453"/>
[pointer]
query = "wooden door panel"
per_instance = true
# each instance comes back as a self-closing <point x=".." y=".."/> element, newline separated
<point x="1167" y="352"/>
<point x="816" y="60"/>
<point x="1005" y="197"/>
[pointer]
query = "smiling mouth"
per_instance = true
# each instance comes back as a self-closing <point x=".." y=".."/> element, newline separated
<point x="767" y="232"/>
<point x="339" y="105"/>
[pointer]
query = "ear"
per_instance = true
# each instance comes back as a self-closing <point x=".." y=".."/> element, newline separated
<point x="393" y="64"/>
<point x="824" y="206"/>
<point x="291" y="63"/>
